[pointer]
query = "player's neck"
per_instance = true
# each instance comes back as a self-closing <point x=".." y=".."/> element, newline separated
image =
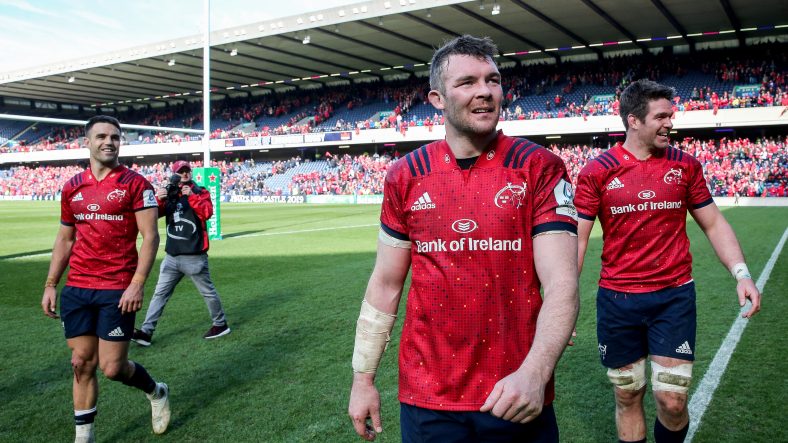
<point x="639" y="150"/>
<point x="467" y="146"/>
<point x="101" y="170"/>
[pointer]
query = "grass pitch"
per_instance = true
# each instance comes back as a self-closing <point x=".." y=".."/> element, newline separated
<point x="291" y="279"/>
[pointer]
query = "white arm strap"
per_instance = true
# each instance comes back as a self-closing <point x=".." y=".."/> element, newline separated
<point x="388" y="240"/>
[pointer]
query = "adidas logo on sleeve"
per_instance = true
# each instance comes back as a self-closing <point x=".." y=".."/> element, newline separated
<point x="77" y="198"/>
<point x="684" y="348"/>
<point x="615" y="184"/>
<point x="424" y="202"/>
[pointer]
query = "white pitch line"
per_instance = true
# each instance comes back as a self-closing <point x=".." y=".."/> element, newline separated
<point x="711" y="379"/>
<point x="22" y="257"/>
<point x="265" y="234"/>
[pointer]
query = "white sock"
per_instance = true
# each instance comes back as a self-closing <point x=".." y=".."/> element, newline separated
<point x="84" y="430"/>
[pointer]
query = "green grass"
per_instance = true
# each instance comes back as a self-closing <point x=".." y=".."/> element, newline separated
<point x="292" y="301"/>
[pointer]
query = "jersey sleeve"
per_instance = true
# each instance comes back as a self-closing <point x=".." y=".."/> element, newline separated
<point x="699" y="195"/>
<point x="392" y="213"/>
<point x="142" y="194"/>
<point x="553" y="206"/>
<point x="200" y="201"/>
<point x="66" y="214"/>
<point x="587" y="196"/>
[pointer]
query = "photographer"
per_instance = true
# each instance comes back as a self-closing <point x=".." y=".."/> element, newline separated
<point x="186" y="207"/>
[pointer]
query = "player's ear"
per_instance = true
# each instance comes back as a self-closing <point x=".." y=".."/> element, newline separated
<point x="436" y="99"/>
<point x="633" y="121"/>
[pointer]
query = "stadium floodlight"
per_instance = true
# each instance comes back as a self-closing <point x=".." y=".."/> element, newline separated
<point x="307" y="39"/>
<point x="171" y="62"/>
<point x="496" y="9"/>
<point x="234" y="52"/>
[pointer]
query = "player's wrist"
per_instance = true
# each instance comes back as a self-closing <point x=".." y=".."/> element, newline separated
<point x="740" y="271"/>
<point x="138" y="279"/>
<point x="51" y="282"/>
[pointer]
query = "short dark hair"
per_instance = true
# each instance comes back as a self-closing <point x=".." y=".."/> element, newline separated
<point x="636" y="97"/>
<point x="101" y="119"/>
<point x="482" y="48"/>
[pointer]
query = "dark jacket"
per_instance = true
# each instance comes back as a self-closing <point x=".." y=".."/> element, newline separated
<point x="186" y="216"/>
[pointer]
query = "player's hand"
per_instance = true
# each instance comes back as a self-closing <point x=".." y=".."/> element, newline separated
<point x="131" y="300"/>
<point x="365" y="406"/>
<point x="186" y="190"/>
<point x="518" y="397"/>
<point x="746" y="289"/>
<point x="572" y="338"/>
<point x="161" y="193"/>
<point x="49" y="302"/>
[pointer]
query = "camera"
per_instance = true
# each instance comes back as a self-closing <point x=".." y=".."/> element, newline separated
<point x="174" y="187"/>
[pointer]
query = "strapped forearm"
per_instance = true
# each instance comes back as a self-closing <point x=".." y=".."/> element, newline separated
<point x="373" y="332"/>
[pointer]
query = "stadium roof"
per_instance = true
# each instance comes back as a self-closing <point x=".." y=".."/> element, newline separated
<point x="379" y="38"/>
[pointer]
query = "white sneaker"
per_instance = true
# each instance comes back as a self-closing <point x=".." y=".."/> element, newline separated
<point x="160" y="408"/>
<point x="85" y="434"/>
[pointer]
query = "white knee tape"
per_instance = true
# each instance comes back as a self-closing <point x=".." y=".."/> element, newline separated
<point x="632" y="379"/>
<point x="672" y="379"/>
<point x="373" y="332"/>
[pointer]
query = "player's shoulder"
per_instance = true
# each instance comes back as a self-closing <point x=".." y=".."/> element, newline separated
<point x="603" y="163"/>
<point x="677" y="155"/>
<point x="74" y="182"/>
<point x="417" y="163"/>
<point x="132" y="178"/>
<point x="519" y="152"/>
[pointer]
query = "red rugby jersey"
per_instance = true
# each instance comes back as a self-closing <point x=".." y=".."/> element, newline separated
<point x="642" y="206"/>
<point x="474" y="295"/>
<point x="104" y="255"/>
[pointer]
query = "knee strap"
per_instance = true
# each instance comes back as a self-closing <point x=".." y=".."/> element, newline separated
<point x="632" y="379"/>
<point x="671" y="379"/>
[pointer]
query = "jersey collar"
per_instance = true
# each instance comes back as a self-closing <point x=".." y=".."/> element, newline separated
<point x="490" y="156"/>
<point x="112" y="176"/>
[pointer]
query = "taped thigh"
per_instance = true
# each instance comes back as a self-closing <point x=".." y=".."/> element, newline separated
<point x="671" y="379"/>
<point x="632" y="379"/>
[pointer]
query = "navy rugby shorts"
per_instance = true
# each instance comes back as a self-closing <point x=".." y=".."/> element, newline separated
<point x="94" y="312"/>
<point x="632" y="326"/>
<point x="420" y="425"/>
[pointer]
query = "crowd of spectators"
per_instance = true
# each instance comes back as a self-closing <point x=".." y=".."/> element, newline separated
<point x="733" y="167"/>
<point x="302" y="111"/>
<point x="347" y="175"/>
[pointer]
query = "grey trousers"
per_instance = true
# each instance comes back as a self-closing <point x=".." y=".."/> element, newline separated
<point x="172" y="270"/>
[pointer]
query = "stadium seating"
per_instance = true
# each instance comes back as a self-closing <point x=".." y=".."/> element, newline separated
<point x="732" y="167"/>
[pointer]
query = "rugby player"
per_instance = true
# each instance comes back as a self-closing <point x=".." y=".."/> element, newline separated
<point x="102" y="210"/>
<point x="480" y="220"/>
<point x="641" y="191"/>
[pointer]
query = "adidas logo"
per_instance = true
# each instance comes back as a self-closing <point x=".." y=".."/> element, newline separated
<point x="684" y="348"/>
<point x="77" y="198"/>
<point x="424" y="202"/>
<point x="615" y="184"/>
<point x="117" y="332"/>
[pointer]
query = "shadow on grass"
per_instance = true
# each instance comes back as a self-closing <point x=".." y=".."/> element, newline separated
<point x="26" y="253"/>
<point x="241" y="233"/>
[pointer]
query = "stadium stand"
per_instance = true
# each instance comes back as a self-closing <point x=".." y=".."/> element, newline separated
<point x="733" y="167"/>
<point x="737" y="78"/>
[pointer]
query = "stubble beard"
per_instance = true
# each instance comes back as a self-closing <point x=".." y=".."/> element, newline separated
<point x="472" y="129"/>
